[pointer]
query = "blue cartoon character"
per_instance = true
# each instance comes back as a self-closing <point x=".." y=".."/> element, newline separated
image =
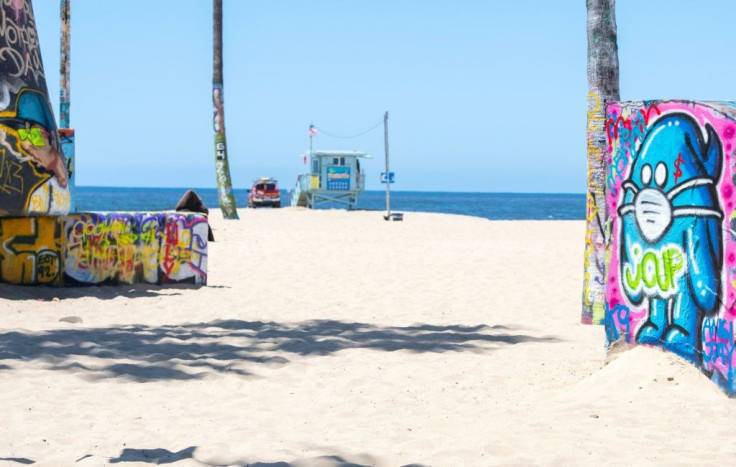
<point x="670" y="246"/>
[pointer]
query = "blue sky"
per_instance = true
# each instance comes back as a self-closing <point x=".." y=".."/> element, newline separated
<point x="482" y="95"/>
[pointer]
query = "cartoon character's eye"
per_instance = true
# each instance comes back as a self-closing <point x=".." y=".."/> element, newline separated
<point x="646" y="174"/>
<point x="660" y="174"/>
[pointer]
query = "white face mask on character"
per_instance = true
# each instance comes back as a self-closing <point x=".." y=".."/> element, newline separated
<point x="653" y="208"/>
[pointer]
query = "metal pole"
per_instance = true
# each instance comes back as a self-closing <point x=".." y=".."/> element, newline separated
<point x="311" y="135"/>
<point x="388" y="173"/>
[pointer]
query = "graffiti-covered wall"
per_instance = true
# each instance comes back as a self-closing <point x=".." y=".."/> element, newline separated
<point x="34" y="174"/>
<point x="671" y="276"/>
<point x="104" y="248"/>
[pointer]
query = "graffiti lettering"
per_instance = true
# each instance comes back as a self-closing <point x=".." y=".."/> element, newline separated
<point x="718" y="342"/>
<point x="127" y="248"/>
<point x="678" y="170"/>
<point x="655" y="271"/>
<point x="30" y="250"/>
<point x="47" y="268"/>
<point x="218" y="119"/>
<point x="617" y="322"/>
<point x="595" y="125"/>
<point x="11" y="180"/>
<point x="98" y="248"/>
<point x="627" y="133"/>
<point x="596" y="216"/>
<point x="185" y="248"/>
<point x="19" y="46"/>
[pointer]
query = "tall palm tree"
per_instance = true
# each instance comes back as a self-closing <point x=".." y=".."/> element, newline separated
<point x="66" y="134"/>
<point x="222" y="169"/>
<point x="603" y="87"/>
<point x="64" y="71"/>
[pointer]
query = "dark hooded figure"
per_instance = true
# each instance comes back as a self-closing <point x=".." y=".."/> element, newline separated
<point x="192" y="202"/>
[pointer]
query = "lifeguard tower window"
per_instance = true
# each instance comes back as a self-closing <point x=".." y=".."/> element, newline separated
<point x="338" y="161"/>
<point x="315" y="166"/>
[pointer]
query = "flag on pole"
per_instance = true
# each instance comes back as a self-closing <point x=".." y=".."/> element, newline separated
<point x="312" y="131"/>
<point x="305" y="158"/>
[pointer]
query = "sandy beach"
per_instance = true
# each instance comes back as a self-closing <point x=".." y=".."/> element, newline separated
<point x="335" y="338"/>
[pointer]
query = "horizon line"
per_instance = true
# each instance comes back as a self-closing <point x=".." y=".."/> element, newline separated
<point x="393" y="190"/>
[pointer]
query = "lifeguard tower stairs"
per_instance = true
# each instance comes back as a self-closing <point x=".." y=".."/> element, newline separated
<point x="336" y="178"/>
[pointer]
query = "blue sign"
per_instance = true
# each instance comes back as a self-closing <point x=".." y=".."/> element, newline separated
<point x="390" y="177"/>
<point x="338" y="178"/>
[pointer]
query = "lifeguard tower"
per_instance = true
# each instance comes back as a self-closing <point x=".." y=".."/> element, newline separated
<point x="335" y="178"/>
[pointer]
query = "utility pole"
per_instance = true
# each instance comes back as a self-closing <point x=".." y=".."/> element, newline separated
<point x="388" y="174"/>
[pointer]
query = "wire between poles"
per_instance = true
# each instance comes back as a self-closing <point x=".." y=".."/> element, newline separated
<point x="353" y="136"/>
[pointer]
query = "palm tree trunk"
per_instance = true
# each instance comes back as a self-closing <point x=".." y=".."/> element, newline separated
<point x="66" y="134"/>
<point x="222" y="169"/>
<point x="603" y="87"/>
<point x="65" y="42"/>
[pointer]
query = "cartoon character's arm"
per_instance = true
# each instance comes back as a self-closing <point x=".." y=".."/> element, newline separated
<point x="703" y="249"/>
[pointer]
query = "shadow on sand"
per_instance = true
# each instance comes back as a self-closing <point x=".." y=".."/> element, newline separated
<point x="17" y="460"/>
<point x="153" y="456"/>
<point x="102" y="292"/>
<point x="191" y="351"/>
<point x="164" y="456"/>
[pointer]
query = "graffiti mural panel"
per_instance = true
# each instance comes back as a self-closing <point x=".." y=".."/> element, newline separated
<point x="127" y="248"/>
<point x="671" y="276"/>
<point x="34" y="174"/>
<point x="100" y="248"/>
<point x="30" y="251"/>
<point x="104" y="248"/>
<point x="184" y="249"/>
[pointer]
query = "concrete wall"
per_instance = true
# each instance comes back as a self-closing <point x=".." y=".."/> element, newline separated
<point x="35" y="176"/>
<point x="671" y="275"/>
<point x="104" y="248"/>
<point x="36" y="187"/>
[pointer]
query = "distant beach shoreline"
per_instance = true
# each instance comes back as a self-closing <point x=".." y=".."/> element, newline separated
<point x="495" y="206"/>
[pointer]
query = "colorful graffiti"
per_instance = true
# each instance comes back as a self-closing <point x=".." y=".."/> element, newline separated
<point x="596" y="215"/>
<point x="671" y="275"/>
<point x="104" y="248"/>
<point x="34" y="174"/>
<point x="222" y="168"/>
<point x="602" y="88"/>
<point x="40" y="244"/>
<point x="30" y="250"/>
<point x="67" y="150"/>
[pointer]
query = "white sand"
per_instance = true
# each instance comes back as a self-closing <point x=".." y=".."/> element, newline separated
<point x="331" y="336"/>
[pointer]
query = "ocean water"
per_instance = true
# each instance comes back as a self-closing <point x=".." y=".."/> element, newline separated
<point x="497" y="206"/>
